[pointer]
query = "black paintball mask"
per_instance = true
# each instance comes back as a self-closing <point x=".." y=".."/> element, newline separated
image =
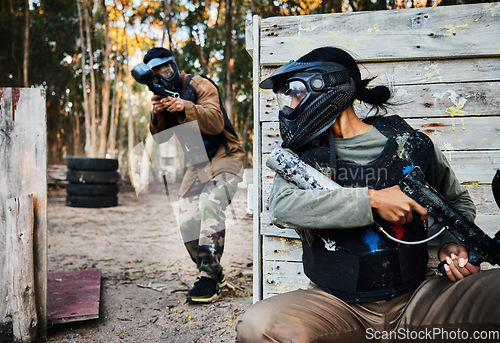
<point x="170" y="77"/>
<point x="310" y="95"/>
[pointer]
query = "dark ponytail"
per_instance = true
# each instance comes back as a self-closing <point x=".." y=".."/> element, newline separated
<point x="378" y="96"/>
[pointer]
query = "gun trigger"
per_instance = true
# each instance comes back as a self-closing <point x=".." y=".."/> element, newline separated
<point x="441" y="267"/>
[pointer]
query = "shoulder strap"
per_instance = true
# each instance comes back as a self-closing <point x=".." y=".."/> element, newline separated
<point x="190" y="94"/>
<point x="190" y="77"/>
<point x="389" y="125"/>
<point x="227" y="122"/>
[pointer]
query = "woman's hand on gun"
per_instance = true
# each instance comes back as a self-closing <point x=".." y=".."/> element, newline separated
<point x="392" y="205"/>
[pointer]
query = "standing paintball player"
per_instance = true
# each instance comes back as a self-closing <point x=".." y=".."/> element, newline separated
<point x="208" y="184"/>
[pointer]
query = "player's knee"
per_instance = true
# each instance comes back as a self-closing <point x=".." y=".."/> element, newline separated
<point x="251" y="327"/>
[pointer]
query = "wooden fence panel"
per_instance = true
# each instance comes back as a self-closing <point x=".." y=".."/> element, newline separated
<point x="445" y="75"/>
<point x="417" y="33"/>
<point x="23" y="170"/>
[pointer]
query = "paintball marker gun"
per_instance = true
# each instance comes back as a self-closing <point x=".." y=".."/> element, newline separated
<point x="145" y="75"/>
<point x="481" y="246"/>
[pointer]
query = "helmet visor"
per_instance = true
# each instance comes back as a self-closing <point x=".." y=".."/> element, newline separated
<point x="291" y="94"/>
<point x="166" y="71"/>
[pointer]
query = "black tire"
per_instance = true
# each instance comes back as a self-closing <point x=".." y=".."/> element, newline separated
<point x="87" y="163"/>
<point x="84" y="177"/>
<point x="92" y="189"/>
<point x="91" y="202"/>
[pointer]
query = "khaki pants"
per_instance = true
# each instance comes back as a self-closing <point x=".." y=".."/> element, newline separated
<point x="438" y="311"/>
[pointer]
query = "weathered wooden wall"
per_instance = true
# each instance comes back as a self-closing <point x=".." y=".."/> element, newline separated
<point x="23" y="169"/>
<point x="443" y="65"/>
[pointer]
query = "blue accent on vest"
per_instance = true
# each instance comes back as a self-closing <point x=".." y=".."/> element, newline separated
<point x="407" y="169"/>
<point x="372" y="239"/>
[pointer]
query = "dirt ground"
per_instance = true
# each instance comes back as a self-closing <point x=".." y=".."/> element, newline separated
<point x="146" y="271"/>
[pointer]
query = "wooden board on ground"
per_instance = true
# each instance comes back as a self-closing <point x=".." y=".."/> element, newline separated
<point x="73" y="295"/>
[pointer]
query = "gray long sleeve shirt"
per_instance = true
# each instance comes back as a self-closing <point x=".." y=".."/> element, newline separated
<point x="344" y="208"/>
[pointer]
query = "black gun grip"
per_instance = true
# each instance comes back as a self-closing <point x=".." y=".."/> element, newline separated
<point x="473" y="258"/>
<point x="441" y="267"/>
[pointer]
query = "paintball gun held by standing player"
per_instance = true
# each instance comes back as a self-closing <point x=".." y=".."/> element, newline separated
<point x="145" y="75"/>
<point x="481" y="247"/>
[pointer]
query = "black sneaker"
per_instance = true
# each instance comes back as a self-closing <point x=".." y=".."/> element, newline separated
<point x="205" y="290"/>
<point x="222" y="279"/>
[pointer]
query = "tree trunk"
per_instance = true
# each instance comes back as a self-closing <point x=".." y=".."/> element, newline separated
<point x="130" y="119"/>
<point x="77" y="143"/>
<point x="244" y="133"/>
<point x="115" y="112"/>
<point x="106" y="88"/>
<point x="86" y="111"/>
<point x="229" y="61"/>
<point x="167" y="24"/>
<point x="26" y="42"/>
<point x="92" y="101"/>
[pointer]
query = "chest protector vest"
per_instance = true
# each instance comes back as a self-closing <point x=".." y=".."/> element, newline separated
<point x="195" y="154"/>
<point x="361" y="264"/>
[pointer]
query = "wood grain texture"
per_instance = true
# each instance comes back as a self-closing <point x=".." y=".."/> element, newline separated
<point x="73" y="295"/>
<point x="21" y="304"/>
<point x="476" y="99"/>
<point x="23" y="153"/>
<point x="419" y="33"/>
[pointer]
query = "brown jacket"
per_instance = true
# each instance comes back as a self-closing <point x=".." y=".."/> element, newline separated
<point x="208" y="114"/>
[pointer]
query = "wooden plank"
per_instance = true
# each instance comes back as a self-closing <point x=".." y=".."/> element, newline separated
<point x="482" y="196"/>
<point x="449" y="134"/>
<point x="461" y="133"/>
<point x="281" y="249"/>
<point x="423" y="101"/>
<point x="73" y="295"/>
<point x="249" y="42"/>
<point x="424" y="72"/>
<point x="268" y="229"/>
<point x="422" y="33"/>
<point x="281" y="277"/>
<point x="23" y="152"/>
<point x="489" y="223"/>
<point x="19" y="222"/>
<point x="432" y="71"/>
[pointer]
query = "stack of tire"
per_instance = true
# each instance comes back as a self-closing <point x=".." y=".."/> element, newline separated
<point x="92" y="182"/>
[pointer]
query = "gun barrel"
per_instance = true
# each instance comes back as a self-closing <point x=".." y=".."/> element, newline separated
<point x="166" y="92"/>
<point x="296" y="171"/>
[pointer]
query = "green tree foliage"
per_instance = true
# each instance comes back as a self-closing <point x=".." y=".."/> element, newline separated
<point x="53" y="37"/>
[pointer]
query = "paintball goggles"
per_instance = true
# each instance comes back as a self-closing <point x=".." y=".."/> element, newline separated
<point x="145" y="75"/>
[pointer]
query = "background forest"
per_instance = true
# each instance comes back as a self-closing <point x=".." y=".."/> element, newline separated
<point x="82" y="52"/>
